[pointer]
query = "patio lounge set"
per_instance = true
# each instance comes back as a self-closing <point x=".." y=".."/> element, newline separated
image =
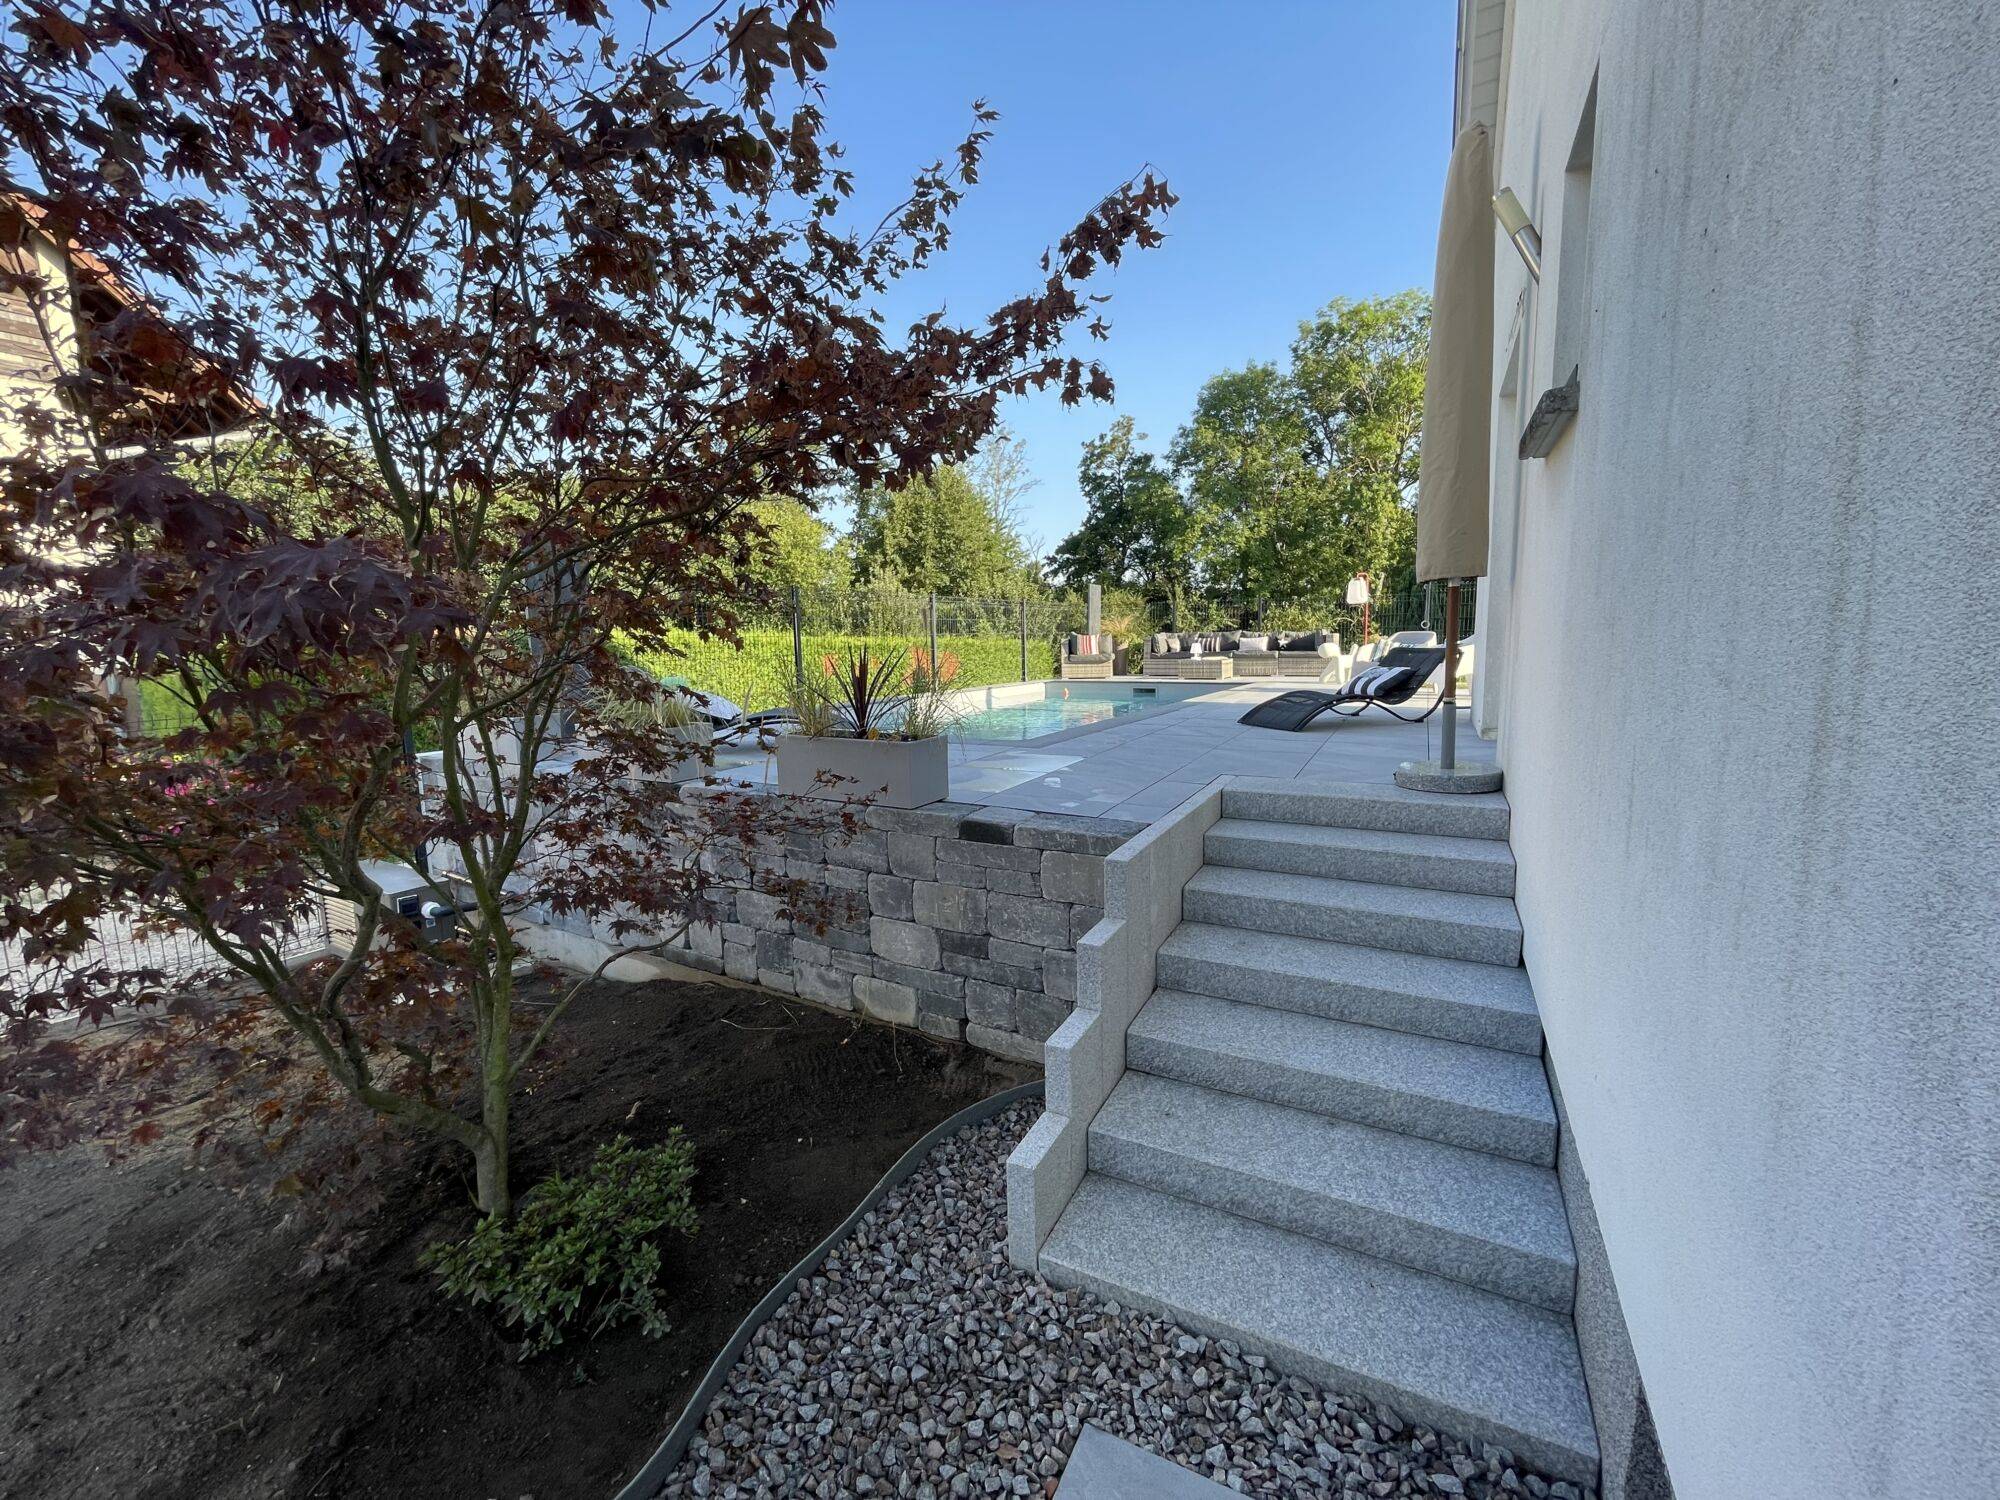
<point x="1233" y="655"/>
<point x="1213" y="655"/>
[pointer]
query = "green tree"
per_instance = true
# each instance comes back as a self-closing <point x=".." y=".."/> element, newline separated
<point x="945" y="533"/>
<point x="1137" y="529"/>
<point x="1242" y="457"/>
<point x="1300" y="476"/>
<point x="796" y="549"/>
<point x="1358" y="374"/>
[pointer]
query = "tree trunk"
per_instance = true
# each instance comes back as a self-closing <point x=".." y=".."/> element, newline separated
<point x="496" y="1199"/>
<point x="490" y="1157"/>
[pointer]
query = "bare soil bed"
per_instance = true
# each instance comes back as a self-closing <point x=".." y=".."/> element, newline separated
<point x="158" y="1337"/>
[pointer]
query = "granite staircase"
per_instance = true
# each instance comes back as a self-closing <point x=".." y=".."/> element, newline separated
<point x="1334" y="1141"/>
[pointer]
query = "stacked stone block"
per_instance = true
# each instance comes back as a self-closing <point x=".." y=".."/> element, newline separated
<point x="965" y="922"/>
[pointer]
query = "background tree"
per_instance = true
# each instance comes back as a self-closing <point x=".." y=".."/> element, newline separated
<point x="536" y="311"/>
<point x="1291" y="478"/>
<point x="956" y="531"/>
<point x="1250" y="489"/>
<point x="1358" y="376"/>
<point x="1137" y="528"/>
<point x="795" y="550"/>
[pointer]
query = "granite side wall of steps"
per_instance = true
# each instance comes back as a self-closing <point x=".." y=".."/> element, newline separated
<point x="1084" y="1060"/>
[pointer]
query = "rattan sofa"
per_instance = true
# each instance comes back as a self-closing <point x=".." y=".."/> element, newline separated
<point x="1094" y="665"/>
<point x="1221" y="654"/>
<point x="1314" y="654"/>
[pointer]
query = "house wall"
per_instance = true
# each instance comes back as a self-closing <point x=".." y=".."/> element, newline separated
<point x="1748" y="707"/>
<point x="27" y="372"/>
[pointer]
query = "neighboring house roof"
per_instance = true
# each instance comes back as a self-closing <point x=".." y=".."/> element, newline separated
<point x="156" y="386"/>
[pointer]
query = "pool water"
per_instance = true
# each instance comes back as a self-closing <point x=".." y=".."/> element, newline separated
<point x="1063" y="708"/>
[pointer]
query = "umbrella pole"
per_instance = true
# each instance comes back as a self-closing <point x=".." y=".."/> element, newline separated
<point x="1448" y="746"/>
<point x="1445" y="774"/>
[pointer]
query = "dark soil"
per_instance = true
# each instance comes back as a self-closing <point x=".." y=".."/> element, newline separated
<point x="158" y="1337"/>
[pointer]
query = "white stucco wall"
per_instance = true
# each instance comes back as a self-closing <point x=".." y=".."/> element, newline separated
<point x="1749" y="711"/>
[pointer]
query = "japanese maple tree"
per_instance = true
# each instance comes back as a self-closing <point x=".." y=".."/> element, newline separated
<point x="533" y="306"/>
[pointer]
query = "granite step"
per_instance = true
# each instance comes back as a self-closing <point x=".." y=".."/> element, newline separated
<point x="1365" y="804"/>
<point x="1477" y="1097"/>
<point x="1439" y="924"/>
<point x="1451" y="1356"/>
<point x="1467" y="1215"/>
<point x="1425" y="861"/>
<point x="1452" y="998"/>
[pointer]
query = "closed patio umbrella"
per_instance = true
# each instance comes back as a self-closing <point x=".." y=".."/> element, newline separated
<point x="1457" y="447"/>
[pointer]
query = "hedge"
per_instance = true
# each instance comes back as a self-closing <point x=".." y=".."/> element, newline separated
<point x="755" y="674"/>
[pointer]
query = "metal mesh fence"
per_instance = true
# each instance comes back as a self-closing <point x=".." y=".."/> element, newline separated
<point x="124" y="944"/>
<point x="979" y="641"/>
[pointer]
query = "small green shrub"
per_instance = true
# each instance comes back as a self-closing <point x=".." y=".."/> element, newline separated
<point x="581" y="1249"/>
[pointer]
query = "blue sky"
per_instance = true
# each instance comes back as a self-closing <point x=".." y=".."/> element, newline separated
<point x="1307" y="140"/>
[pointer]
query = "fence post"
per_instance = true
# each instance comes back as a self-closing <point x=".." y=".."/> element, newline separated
<point x="798" y="640"/>
<point x="1024" y="638"/>
<point x="131" y="704"/>
<point x="933" y="625"/>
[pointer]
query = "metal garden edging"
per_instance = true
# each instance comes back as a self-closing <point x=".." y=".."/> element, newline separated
<point x="653" y="1473"/>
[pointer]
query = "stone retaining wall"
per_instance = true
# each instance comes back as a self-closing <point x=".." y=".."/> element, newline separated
<point x="967" y="925"/>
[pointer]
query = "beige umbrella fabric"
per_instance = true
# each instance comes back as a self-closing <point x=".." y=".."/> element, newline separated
<point x="1458" y="390"/>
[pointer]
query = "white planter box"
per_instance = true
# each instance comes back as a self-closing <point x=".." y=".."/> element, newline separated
<point x="890" y="773"/>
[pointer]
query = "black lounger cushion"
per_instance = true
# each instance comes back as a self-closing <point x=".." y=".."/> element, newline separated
<point x="1378" y="682"/>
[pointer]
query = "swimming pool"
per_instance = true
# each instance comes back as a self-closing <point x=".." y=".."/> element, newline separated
<point x="1036" y="710"/>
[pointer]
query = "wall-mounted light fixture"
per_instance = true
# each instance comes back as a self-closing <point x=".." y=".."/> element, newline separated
<point x="1520" y="229"/>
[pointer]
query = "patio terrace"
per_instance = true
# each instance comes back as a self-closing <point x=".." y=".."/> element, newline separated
<point x="1141" y="768"/>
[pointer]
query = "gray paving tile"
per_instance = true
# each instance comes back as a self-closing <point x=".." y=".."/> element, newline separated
<point x="1104" y="1467"/>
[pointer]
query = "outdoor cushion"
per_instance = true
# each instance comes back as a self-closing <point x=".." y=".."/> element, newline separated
<point x="1091" y="659"/>
<point x="1377" y="682"/>
<point x="1248" y="642"/>
<point x="1213" y="642"/>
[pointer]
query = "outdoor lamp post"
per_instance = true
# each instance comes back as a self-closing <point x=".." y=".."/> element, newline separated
<point x="1357" y="593"/>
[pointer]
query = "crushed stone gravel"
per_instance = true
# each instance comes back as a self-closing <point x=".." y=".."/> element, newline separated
<point x="920" y="1364"/>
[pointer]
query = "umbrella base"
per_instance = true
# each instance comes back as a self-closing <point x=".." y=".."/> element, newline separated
<point x="1429" y="776"/>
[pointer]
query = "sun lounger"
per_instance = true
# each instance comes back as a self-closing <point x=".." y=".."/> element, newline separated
<point x="1397" y="678"/>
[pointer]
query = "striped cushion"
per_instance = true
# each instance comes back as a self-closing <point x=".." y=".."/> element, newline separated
<point x="1374" y="682"/>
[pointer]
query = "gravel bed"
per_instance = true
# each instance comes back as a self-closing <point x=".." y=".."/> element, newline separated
<point x="919" y="1363"/>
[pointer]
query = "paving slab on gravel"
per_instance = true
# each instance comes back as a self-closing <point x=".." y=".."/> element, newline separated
<point x="918" y="1363"/>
